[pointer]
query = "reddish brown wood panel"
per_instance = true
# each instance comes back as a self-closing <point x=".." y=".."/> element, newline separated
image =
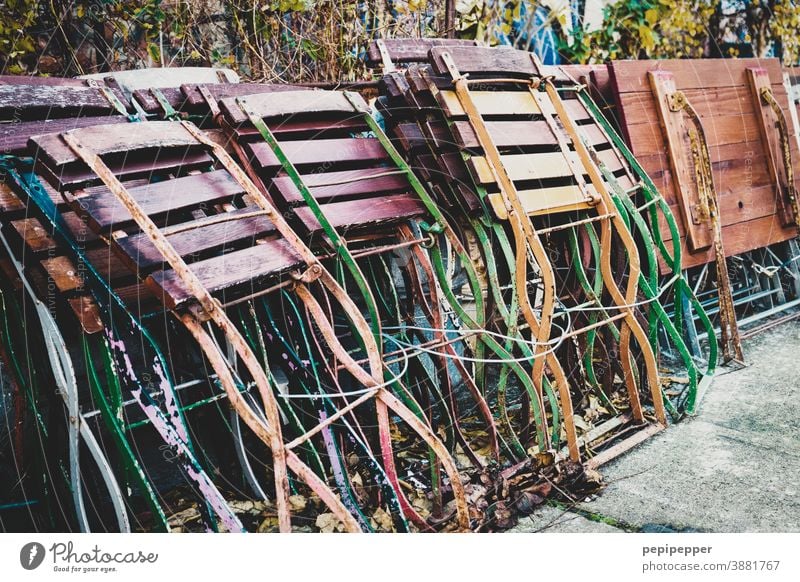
<point x="14" y="136"/>
<point x="720" y="92"/>
<point x="206" y="235"/>
<point x="411" y="50"/>
<point x="287" y="103"/>
<point x="354" y="214"/>
<point x="106" y="213"/>
<point x="235" y="273"/>
<point x="334" y="186"/>
<point x="325" y="153"/>
<point x="111" y="139"/>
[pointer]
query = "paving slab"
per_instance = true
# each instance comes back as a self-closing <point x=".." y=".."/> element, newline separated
<point x="733" y="467"/>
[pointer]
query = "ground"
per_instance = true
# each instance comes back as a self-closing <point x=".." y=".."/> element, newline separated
<point x="733" y="467"/>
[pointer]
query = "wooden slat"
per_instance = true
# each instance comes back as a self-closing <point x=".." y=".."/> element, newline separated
<point x="110" y="139"/>
<point x="108" y="264"/>
<point x="32" y="80"/>
<point x="64" y="274"/>
<point x="489" y="61"/>
<point x="355" y="183"/>
<point x="14" y="136"/>
<point x="143" y="256"/>
<point x="87" y="312"/>
<point x="47" y="101"/>
<point x="508" y="103"/>
<point x="359" y="213"/>
<point x="35" y="237"/>
<point x="740" y="238"/>
<point x="106" y="213"/>
<point x="167" y="160"/>
<point x="543" y="201"/>
<point x="521" y="167"/>
<point x="194" y="97"/>
<point x="287" y="103"/>
<point x="411" y="50"/>
<point x="324" y="152"/>
<point x="9" y="201"/>
<point x="631" y="76"/>
<point x="238" y="272"/>
<point x="523" y="134"/>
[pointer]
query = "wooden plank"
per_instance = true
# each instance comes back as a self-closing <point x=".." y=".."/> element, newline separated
<point x="300" y="128"/>
<point x="675" y="128"/>
<point x="115" y="138"/>
<point x="64" y="274"/>
<point x="26" y="102"/>
<point x="87" y="312"/>
<point x="739" y="238"/>
<point x="746" y="170"/>
<point x="35" y="237"/>
<point x="243" y="271"/>
<point x="33" y="80"/>
<point x="9" y="201"/>
<point x="78" y="227"/>
<point x="325" y="153"/>
<point x="106" y="213"/>
<point x="14" y="136"/>
<point x="720" y="102"/>
<point x="352" y="183"/>
<point x="73" y="176"/>
<point x="543" y="201"/>
<point x="287" y="103"/>
<point x="143" y="256"/>
<point x="520" y="167"/>
<point x="520" y="134"/>
<point x="108" y="264"/>
<point x="374" y="213"/>
<point x="150" y="104"/>
<point x="631" y="76"/>
<point x="411" y="50"/>
<point x="194" y="97"/>
<point x="506" y="103"/>
<point x="500" y="61"/>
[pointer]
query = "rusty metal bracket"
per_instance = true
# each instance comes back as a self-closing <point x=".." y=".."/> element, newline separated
<point x="709" y="211"/>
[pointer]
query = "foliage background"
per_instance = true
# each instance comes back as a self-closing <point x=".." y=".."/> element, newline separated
<point x="321" y="40"/>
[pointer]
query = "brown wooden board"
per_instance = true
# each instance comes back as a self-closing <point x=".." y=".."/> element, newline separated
<point x="356" y="214"/>
<point x="32" y="80"/>
<point x="14" y="136"/>
<point x="114" y="139"/>
<point x="323" y="153"/>
<point x="411" y="50"/>
<point x="106" y="213"/>
<point x="335" y="186"/>
<point x="483" y="60"/>
<point x="719" y="90"/>
<point x="35" y="237"/>
<point x="36" y="102"/>
<point x="285" y="103"/>
<point x="163" y="161"/>
<point x="9" y="201"/>
<point x="206" y="236"/>
<point x="235" y="273"/>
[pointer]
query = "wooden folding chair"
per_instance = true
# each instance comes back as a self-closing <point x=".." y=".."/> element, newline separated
<point x="200" y="290"/>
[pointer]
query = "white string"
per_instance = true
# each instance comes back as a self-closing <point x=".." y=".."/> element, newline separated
<point x="555" y="342"/>
<point x="656" y="297"/>
<point x="341" y="394"/>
